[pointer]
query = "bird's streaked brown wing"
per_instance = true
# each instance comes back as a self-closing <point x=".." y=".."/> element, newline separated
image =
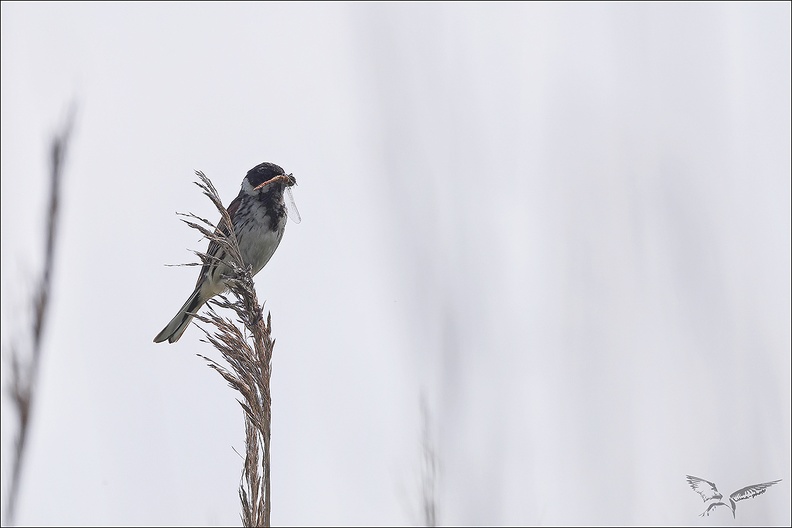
<point x="214" y="246"/>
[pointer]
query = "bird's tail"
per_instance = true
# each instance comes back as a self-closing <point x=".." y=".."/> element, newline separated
<point x="179" y="324"/>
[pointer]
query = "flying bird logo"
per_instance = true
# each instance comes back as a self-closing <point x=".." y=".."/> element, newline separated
<point x="709" y="492"/>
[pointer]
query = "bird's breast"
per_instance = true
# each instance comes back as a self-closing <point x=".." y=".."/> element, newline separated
<point x="259" y="235"/>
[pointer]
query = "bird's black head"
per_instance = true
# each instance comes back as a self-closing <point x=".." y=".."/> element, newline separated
<point x="263" y="172"/>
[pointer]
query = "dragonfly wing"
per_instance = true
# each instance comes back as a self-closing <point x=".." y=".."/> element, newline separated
<point x="291" y="207"/>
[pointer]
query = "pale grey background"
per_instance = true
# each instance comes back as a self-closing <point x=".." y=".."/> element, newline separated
<point x="567" y="225"/>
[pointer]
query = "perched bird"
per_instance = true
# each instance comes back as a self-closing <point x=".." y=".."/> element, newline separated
<point x="709" y="492"/>
<point x="258" y="215"/>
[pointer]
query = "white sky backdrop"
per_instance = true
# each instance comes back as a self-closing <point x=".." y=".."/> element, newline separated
<point x="568" y="225"/>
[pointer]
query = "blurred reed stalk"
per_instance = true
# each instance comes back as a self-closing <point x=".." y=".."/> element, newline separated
<point x="429" y="468"/>
<point x="26" y="359"/>
<point x="247" y="354"/>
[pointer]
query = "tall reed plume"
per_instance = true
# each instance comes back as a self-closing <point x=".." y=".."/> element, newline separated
<point x="247" y="353"/>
